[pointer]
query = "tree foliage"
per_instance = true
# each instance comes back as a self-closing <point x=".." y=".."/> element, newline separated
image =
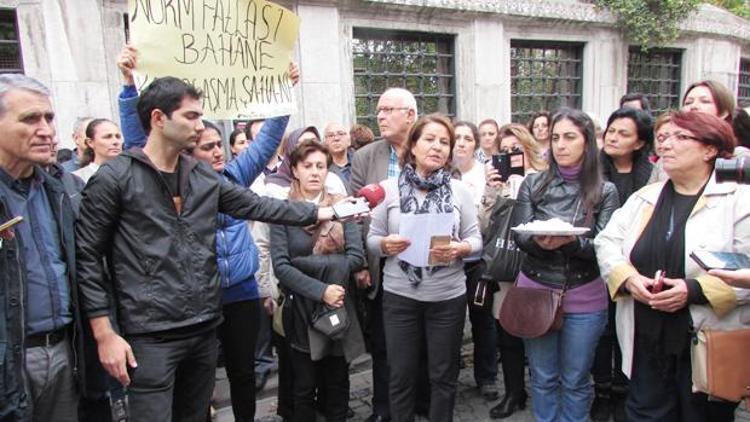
<point x="650" y="23"/>
<point x="738" y="7"/>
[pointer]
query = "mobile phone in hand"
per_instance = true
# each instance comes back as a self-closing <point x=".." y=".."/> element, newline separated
<point x="659" y="284"/>
<point x="10" y="223"/>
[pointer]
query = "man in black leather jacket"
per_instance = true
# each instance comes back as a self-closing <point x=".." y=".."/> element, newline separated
<point x="152" y="213"/>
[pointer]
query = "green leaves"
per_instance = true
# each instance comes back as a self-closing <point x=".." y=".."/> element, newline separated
<point x="650" y="23"/>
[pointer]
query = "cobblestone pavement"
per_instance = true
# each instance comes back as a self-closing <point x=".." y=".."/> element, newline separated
<point x="470" y="406"/>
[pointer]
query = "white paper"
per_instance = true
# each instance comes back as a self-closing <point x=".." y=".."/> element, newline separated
<point x="419" y="229"/>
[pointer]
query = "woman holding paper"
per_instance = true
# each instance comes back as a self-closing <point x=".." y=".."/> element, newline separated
<point x="656" y="231"/>
<point x="424" y="288"/>
<point x="573" y="191"/>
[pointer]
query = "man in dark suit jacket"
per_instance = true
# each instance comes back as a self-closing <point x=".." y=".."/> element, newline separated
<point x="373" y="163"/>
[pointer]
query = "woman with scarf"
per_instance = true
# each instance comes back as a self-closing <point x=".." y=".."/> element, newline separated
<point x="314" y="266"/>
<point x="425" y="303"/>
<point x="573" y="191"/>
<point x="278" y="185"/>
<point x="655" y="231"/>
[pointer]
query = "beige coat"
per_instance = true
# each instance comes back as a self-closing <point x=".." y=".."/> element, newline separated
<point x="720" y="221"/>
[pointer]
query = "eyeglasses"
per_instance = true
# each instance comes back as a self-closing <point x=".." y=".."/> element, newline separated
<point x="679" y="136"/>
<point x="209" y="146"/>
<point x="388" y="110"/>
<point x="339" y="134"/>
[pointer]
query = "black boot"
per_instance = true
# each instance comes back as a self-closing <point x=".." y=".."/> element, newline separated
<point x="601" y="408"/>
<point x="509" y="404"/>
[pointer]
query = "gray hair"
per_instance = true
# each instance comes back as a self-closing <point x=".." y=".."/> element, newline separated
<point x="79" y="126"/>
<point x="407" y="98"/>
<point x="11" y="81"/>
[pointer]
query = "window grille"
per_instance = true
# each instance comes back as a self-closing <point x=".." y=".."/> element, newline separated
<point x="656" y="74"/>
<point x="743" y="85"/>
<point x="10" y="47"/>
<point x="545" y="75"/>
<point x="423" y="63"/>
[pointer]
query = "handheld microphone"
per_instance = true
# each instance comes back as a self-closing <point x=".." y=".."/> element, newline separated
<point x="373" y="193"/>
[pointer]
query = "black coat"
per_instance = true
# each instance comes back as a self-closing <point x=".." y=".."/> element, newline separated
<point x="15" y="401"/>
<point x="575" y="262"/>
<point x="163" y="263"/>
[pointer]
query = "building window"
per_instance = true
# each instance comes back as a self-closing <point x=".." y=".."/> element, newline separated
<point x="544" y="76"/>
<point x="10" y="47"/>
<point x="743" y="85"/>
<point x="422" y="63"/>
<point x="657" y="75"/>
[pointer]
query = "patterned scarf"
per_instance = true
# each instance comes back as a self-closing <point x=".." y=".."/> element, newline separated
<point x="439" y="200"/>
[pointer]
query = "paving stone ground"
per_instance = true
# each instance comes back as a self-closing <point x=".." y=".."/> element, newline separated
<point x="470" y="406"/>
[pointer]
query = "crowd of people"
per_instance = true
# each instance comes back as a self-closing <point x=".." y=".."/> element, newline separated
<point x="160" y="247"/>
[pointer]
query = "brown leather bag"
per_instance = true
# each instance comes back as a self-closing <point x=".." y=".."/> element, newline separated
<point x="531" y="313"/>
<point x="720" y="364"/>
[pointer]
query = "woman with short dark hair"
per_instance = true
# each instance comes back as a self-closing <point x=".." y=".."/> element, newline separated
<point x="650" y="238"/>
<point x="624" y="157"/>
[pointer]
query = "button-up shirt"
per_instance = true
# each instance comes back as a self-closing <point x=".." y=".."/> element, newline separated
<point x="48" y="293"/>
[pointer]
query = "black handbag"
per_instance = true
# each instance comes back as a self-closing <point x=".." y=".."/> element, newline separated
<point x="501" y="256"/>
<point x="331" y="322"/>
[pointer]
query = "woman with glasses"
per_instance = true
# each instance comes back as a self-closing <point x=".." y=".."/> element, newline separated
<point x="663" y="297"/>
<point x="573" y="191"/>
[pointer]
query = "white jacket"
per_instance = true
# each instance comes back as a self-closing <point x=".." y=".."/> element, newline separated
<point x="720" y="221"/>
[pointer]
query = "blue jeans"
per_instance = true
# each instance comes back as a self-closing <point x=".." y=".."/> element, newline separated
<point x="559" y="364"/>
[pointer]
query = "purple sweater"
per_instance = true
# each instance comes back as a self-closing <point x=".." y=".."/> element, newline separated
<point x="589" y="297"/>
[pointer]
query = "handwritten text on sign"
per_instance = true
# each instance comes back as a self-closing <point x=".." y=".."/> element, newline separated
<point x="236" y="51"/>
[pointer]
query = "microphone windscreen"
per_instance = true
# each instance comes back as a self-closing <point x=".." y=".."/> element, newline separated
<point x="374" y="193"/>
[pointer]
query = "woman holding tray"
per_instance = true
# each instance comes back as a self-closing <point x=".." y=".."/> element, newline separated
<point x="572" y="190"/>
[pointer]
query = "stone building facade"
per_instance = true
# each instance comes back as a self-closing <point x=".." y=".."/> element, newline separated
<point x="472" y="59"/>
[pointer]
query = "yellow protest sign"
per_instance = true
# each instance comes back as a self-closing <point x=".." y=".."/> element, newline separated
<point x="236" y="51"/>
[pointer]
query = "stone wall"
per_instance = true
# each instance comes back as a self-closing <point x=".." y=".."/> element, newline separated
<point x="72" y="45"/>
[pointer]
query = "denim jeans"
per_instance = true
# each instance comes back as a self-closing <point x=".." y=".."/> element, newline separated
<point x="559" y="363"/>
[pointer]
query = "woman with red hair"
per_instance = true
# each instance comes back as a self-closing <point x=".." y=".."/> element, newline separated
<point x="654" y="233"/>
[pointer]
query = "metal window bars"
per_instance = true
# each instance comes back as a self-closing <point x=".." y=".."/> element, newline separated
<point x="423" y="63"/>
<point x="545" y="75"/>
<point x="656" y="74"/>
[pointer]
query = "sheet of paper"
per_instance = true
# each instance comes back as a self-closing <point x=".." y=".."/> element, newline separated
<point x="419" y="229"/>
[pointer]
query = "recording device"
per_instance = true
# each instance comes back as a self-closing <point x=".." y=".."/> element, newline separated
<point x="509" y="163"/>
<point x="118" y="404"/>
<point x="368" y="197"/>
<point x="720" y="260"/>
<point x="733" y="170"/>
<point x="658" y="286"/>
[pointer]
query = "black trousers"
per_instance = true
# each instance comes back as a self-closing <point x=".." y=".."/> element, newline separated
<point x="512" y="353"/>
<point x="381" y="404"/>
<point x="174" y="378"/>
<point x="284" y="393"/>
<point x="238" y="334"/>
<point x="661" y="391"/>
<point x="308" y="382"/>
<point x="483" y="331"/>
<point x="408" y="325"/>
<point x="607" y="368"/>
